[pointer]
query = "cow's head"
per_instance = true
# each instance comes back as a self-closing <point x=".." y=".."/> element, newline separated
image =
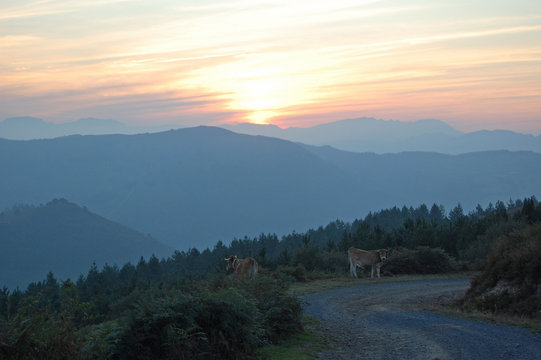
<point x="231" y="262"/>
<point x="382" y="254"/>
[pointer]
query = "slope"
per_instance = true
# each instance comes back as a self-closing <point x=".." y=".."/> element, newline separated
<point x="195" y="186"/>
<point x="189" y="187"/>
<point x="412" y="178"/>
<point x="66" y="239"/>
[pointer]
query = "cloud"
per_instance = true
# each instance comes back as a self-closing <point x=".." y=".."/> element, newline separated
<point x="269" y="60"/>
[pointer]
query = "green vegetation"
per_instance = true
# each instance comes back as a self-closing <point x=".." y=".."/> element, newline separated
<point x="305" y="345"/>
<point x="510" y="282"/>
<point x="329" y="283"/>
<point x="214" y="318"/>
<point x="421" y="260"/>
<point x="187" y="307"/>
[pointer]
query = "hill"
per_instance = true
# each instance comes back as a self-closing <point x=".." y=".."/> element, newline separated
<point x="66" y="239"/>
<point x="390" y="136"/>
<point x="356" y="135"/>
<point x="28" y="128"/>
<point x="424" y="177"/>
<point x="195" y="186"/>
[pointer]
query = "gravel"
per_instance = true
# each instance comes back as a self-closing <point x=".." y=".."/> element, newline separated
<point x="387" y="321"/>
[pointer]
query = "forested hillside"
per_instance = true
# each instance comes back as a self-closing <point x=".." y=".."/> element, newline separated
<point x="66" y="239"/>
<point x="186" y="306"/>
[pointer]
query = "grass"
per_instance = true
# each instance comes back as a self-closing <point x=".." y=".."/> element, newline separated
<point x="533" y="324"/>
<point x="318" y="285"/>
<point x="306" y="345"/>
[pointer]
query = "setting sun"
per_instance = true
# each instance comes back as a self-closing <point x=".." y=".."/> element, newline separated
<point x="475" y="64"/>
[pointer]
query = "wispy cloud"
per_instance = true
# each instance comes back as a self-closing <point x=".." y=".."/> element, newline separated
<point x="25" y="9"/>
<point x="272" y="60"/>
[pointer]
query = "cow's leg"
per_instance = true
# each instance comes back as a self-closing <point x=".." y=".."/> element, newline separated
<point x="379" y="265"/>
<point x="352" y="268"/>
<point x="372" y="272"/>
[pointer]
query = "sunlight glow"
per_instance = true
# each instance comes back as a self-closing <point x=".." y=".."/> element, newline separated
<point x="475" y="64"/>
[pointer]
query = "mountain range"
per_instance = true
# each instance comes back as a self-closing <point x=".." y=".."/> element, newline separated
<point x="388" y="136"/>
<point x="65" y="239"/>
<point x="28" y="128"/>
<point x="192" y="187"/>
<point x="357" y="135"/>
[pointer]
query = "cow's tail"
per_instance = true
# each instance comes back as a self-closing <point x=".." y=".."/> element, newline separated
<point x="352" y="269"/>
<point x="349" y="261"/>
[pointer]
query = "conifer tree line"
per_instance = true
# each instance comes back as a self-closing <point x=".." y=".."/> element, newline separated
<point x="187" y="306"/>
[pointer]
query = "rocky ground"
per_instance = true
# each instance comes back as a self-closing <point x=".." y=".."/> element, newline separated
<point x="388" y="321"/>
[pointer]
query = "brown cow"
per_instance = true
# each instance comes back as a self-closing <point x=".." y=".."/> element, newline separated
<point x="358" y="257"/>
<point x="242" y="267"/>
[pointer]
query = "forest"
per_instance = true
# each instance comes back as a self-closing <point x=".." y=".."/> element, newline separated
<point x="187" y="306"/>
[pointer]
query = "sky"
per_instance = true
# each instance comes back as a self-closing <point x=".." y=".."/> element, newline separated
<point x="475" y="64"/>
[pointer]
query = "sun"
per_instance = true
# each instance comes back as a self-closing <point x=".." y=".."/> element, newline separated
<point x="257" y="93"/>
<point x="259" y="97"/>
<point x="261" y="117"/>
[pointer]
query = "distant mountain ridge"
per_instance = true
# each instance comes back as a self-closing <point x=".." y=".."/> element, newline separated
<point x="195" y="186"/>
<point x="28" y="128"/>
<point x="66" y="239"/>
<point x="357" y="135"/>
<point x="390" y="136"/>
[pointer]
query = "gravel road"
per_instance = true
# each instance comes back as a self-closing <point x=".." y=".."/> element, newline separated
<point x="387" y="321"/>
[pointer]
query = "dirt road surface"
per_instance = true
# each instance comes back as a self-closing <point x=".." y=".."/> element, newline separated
<point x="387" y="321"/>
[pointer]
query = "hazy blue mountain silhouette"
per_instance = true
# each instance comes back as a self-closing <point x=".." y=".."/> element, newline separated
<point x="66" y="239"/>
<point x="195" y="186"/>
<point x="422" y="177"/>
<point x="27" y="128"/>
<point x="358" y="135"/>
<point x="389" y="136"/>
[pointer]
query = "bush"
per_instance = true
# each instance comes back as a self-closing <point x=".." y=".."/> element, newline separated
<point x="510" y="281"/>
<point x="422" y="260"/>
<point x="100" y="341"/>
<point x="213" y="322"/>
<point x="335" y="262"/>
<point x="39" y="337"/>
<point x="281" y="312"/>
<point x="298" y="273"/>
<point x="308" y="256"/>
<point x="231" y="322"/>
<point x="224" y="324"/>
<point x="156" y="325"/>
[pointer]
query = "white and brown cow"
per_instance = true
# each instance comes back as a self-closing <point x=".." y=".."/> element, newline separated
<point x="358" y="257"/>
<point x="242" y="267"/>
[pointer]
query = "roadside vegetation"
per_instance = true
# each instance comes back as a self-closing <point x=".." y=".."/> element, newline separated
<point x="509" y="284"/>
<point x="188" y="307"/>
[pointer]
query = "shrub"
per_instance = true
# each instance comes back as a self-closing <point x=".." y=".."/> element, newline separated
<point x="39" y="337"/>
<point x="335" y="262"/>
<point x="422" y="260"/>
<point x="100" y="341"/>
<point x="231" y="322"/>
<point x="308" y="256"/>
<point x="214" y="321"/>
<point x="298" y="273"/>
<point x="510" y="281"/>
<point x="151" y="331"/>
<point x="281" y="312"/>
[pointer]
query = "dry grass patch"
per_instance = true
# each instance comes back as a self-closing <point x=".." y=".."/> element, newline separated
<point x="314" y="286"/>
